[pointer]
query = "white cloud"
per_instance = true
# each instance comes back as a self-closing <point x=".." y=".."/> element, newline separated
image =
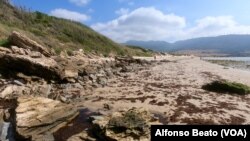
<point x="142" y="24"/>
<point x="70" y="15"/>
<point x="213" y="26"/>
<point x="151" y="24"/>
<point x="80" y="2"/>
<point x="122" y="11"/>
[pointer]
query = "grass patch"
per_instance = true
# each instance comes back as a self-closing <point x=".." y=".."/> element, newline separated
<point x="53" y="31"/>
<point x="5" y="43"/>
<point x="131" y="122"/>
<point x="227" y="87"/>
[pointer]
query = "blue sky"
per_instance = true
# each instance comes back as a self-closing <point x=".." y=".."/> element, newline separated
<point x="168" y="20"/>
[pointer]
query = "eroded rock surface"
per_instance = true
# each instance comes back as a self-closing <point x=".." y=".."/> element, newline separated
<point x="22" y="41"/>
<point x="130" y="125"/>
<point x="36" y="115"/>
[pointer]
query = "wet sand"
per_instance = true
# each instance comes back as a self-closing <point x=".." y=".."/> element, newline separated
<point x="172" y="89"/>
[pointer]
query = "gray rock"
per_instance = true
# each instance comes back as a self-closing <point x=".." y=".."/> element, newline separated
<point x="102" y="81"/>
<point x="7" y="133"/>
<point x="92" y="77"/>
<point x="18" y="83"/>
<point x="77" y="85"/>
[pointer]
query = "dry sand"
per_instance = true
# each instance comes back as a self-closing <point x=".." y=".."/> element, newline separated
<point x="173" y="90"/>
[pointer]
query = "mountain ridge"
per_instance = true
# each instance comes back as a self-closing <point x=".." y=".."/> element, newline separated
<point x="232" y="45"/>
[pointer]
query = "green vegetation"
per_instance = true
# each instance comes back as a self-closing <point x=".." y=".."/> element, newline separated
<point x="58" y="34"/>
<point x="227" y="87"/>
<point x="138" y="51"/>
<point x="4" y="43"/>
<point x="131" y="122"/>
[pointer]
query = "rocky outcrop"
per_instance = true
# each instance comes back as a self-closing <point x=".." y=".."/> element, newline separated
<point x="5" y="50"/>
<point x="10" y="90"/>
<point x="37" y="116"/>
<point x="44" y="67"/>
<point x="22" y="41"/>
<point x="130" y="125"/>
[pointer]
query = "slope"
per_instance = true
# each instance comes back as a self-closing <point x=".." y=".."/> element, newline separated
<point x="58" y="34"/>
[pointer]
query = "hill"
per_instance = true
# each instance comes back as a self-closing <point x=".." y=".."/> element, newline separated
<point x="152" y="45"/>
<point x="230" y="45"/>
<point x="56" y="33"/>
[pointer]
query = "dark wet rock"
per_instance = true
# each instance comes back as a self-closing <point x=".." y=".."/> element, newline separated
<point x="37" y="116"/>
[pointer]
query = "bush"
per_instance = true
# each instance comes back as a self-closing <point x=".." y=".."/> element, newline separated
<point x="227" y="87"/>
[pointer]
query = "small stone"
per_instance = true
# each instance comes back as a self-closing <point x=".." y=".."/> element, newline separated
<point x="106" y="106"/>
<point x="92" y="77"/>
<point x="102" y="81"/>
<point x="18" y="83"/>
<point x="63" y="99"/>
<point x="7" y="91"/>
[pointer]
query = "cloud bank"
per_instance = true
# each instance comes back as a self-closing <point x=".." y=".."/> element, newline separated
<point x="149" y="23"/>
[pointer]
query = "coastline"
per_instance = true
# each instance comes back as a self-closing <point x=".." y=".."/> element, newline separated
<point x="172" y="89"/>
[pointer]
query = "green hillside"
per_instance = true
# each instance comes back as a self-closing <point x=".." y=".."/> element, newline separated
<point x="58" y="34"/>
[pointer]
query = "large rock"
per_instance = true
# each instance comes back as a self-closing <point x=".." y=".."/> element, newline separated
<point x="130" y="125"/>
<point x="38" y="116"/>
<point x="10" y="90"/>
<point x="44" y="67"/>
<point x="22" y="41"/>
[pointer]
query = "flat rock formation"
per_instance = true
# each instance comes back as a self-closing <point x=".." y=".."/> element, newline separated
<point x="22" y="41"/>
<point x="36" y="115"/>
<point x="130" y="125"/>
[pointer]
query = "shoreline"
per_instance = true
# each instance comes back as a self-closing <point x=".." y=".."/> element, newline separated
<point x="173" y="90"/>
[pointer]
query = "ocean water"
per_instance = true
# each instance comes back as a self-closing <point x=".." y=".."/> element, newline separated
<point x="242" y="59"/>
<point x="233" y="62"/>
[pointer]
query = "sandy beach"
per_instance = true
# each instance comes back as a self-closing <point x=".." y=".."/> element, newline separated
<point x="172" y="89"/>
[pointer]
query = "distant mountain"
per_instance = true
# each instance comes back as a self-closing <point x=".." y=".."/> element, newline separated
<point x="231" y="45"/>
<point x="153" y="45"/>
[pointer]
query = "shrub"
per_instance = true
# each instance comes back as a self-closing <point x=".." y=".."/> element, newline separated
<point x="227" y="87"/>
